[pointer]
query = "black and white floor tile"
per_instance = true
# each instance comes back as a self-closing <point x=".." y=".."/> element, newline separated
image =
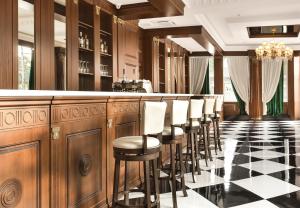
<point x="259" y="167"/>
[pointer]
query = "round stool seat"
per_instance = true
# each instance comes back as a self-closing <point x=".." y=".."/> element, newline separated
<point x="168" y="131"/>
<point x="135" y="142"/>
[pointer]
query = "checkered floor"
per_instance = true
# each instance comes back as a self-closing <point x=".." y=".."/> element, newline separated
<point x="258" y="168"/>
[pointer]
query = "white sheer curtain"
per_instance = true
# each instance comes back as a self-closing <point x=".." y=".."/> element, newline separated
<point x="238" y="67"/>
<point x="198" y="68"/>
<point x="271" y="69"/>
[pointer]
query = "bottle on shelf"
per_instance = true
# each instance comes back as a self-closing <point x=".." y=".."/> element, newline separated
<point x="101" y="46"/>
<point x="86" y="42"/>
<point x="81" y="40"/>
<point x="105" y="47"/>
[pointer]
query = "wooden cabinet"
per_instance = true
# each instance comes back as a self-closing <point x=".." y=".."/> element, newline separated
<point x="128" y="50"/>
<point x="78" y="153"/>
<point x="24" y="155"/>
<point x="165" y="65"/>
<point x="123" y="119"/>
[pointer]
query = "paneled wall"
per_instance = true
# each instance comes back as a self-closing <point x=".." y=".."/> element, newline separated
<point x="125" y="50"/>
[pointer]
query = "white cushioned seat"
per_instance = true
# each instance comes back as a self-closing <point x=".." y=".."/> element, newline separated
<point x="167" y="131"/>
<point x="135" y="142"/>
<point x="194" y="123"/>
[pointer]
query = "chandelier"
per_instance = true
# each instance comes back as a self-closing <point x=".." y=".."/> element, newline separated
<point x="274" y="50"/>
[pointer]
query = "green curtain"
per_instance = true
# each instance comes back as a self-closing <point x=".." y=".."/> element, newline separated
<point x="205" y="88"/>
<point x="275" y="106"/>
<point x="241" y="103"/>
<point x="31" y="73"/>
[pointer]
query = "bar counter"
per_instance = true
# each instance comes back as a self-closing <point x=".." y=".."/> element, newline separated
<point x="56" y="146"/>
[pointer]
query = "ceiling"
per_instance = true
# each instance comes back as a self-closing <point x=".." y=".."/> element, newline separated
<point x="227" y="20"/>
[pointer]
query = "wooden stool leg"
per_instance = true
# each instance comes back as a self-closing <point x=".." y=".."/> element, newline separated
<point x="205" y="144"/>
<point x="181" y="170"/>
<point x="208" y="142"/>
<point x="116" y="182"/>
<point x="197" y="153"/>
<point x="188" y="146"/>
<point x="156" y="183"/>
<point x="215" y="136"/>
<point x="126" y="188"/>
<point x="193" y="157"/>
<point x="147" y="184"/>
<point x="173" y="176"/>
<point x="218" y="134"/>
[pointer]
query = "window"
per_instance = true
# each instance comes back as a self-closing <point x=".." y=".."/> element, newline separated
<point x="229" y="95"/>
<point x="211" y="68"/>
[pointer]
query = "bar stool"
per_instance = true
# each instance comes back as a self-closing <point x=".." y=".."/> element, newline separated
<point x="144" y="149"/>
<point x="216" y="122"/>
<point x="173" y="136"/>
<point x="205" y="125"/>
<point x="192" y="129"/>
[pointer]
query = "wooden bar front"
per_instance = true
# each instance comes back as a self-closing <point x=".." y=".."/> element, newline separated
<point x="56" y="151"/>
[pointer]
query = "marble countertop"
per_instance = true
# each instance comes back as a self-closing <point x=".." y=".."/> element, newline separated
<point x="49" y="93"/>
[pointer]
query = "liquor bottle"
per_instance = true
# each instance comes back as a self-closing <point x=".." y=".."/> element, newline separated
<point x="81" y="40"/>
<point x="105" y="47"/>
<point x="87" y="42"/>
<point x="101" y="46"/>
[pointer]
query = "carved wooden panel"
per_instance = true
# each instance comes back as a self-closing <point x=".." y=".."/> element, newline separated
<point x="84" y="170"/>
<point x="79" y="155"/>
<point x="19" y="176"/>
<point x="23" y="117"/>
<point x="123" y="108"/>
<point x="64" y="113"/>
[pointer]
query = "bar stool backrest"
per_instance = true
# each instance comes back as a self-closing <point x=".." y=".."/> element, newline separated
<point x="196" y="108"/>
<point x="154" y="117"/>
<point x="209" y="106"/>
<point x="219" y="103"/>
<point x="179" y="112"/>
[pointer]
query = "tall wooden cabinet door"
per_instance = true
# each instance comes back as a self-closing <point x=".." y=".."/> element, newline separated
<point x="24" y="156"/>
<point x="78" y="154"/>
<point x="128" y="44"/>
<point x="123" y="120"/>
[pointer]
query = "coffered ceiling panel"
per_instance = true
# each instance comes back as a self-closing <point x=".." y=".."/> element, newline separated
<point x="227" y="20"/>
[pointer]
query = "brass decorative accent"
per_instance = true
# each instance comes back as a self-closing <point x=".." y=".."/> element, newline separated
<point x="75" y="2"/>
<point x="115" y="19"/>
<point x="85" y="164"/>
<point x="98" y="10"/>
<point x="120" y="21"/>
<point x="109" y="123"/>
<point x="10" y="193"/>
<point x="55" y="133"/>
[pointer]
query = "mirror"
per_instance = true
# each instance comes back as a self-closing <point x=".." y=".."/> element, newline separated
<point x="60" y="44"/>
<point x="26" y="45"/>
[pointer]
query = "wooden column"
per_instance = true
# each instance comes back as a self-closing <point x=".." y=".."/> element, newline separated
<point x="218" y="74"/>
<point x="45" y="46"/>
<point x="255" y="110"/>
<point x="7" y="42"/>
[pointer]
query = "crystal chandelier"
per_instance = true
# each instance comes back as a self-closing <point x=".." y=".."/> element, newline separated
<point x="274" y="50"/>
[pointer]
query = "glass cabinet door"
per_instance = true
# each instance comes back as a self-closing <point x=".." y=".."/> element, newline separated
<point x="26" y="45"/>
<point x="60" y="44"/>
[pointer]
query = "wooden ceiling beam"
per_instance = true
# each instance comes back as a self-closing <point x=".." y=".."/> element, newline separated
<point x="198" y="33"/>
<point x="151" y="9"/>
